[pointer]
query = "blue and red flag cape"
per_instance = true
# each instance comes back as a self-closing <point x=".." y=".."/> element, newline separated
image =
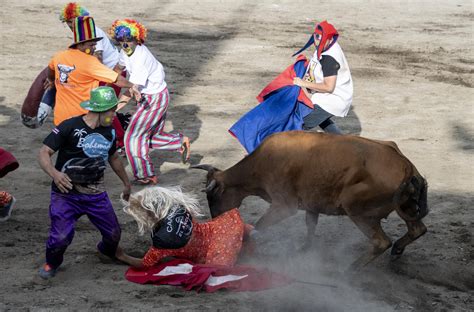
<point x="282" y="108"/>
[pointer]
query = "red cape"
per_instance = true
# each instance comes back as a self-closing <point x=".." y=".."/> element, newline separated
<point x="210" y="278"/>
<point x="286" y="79"/>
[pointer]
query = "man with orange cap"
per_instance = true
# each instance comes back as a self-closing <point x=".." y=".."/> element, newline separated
<point x="328" y="81"/>
<point x="146" y="129"/>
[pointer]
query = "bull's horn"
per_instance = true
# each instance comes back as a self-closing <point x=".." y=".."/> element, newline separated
<point x="208" y="168"/>
<point x="211" y="186"/>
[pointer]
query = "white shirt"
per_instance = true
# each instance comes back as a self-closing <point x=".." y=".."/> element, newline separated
<point x="110" y="54"/>
<point x="144" y="69"/>
<point x="339" y="101"/>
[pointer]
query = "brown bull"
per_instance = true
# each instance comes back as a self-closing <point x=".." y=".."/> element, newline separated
<point x="323" y="173"/>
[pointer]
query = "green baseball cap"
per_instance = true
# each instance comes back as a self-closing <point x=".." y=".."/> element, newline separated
<point x="102" y="99"/>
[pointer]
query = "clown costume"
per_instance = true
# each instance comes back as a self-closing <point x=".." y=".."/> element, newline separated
<point x="145" y="130"/>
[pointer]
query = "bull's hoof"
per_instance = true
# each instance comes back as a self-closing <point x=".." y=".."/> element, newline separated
<point x="396" y="253"/>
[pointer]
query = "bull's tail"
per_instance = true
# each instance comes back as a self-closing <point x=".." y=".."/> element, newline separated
<point x="413" y="198"/>
<point x="421" y="190"/>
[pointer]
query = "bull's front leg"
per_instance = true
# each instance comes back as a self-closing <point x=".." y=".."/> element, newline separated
<point x="311" y="222"/>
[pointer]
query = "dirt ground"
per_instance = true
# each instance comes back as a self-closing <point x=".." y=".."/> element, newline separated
<point x="412" y="65"/>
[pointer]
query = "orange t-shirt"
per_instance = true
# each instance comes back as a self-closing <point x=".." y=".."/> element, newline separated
<point x="76" y="74"/>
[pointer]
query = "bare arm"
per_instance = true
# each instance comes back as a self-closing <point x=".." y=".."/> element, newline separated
<point x="62" y="181"/>
<point x="132" y="261"/>
<point x="124" y="83"/>
<point x="119" y="170"/>
<point x="327" y="86"/>
<point x="118" y="68"/>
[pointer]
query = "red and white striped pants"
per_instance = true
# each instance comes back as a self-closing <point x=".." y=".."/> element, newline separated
<point x="145" y="131"/>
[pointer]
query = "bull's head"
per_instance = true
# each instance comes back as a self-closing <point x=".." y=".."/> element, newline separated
<point x="219" y="197"/>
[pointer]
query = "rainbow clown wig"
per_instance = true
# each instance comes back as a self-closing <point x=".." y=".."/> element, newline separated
<point x="71" y="11"/>
<point x="126" y="30"/>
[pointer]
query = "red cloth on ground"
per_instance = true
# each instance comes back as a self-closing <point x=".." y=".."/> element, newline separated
<point x="8" y="162"/>
<point x="216" y="242"/>
<point x="210" y="278"/>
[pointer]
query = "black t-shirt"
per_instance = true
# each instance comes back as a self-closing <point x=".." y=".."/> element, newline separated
<point x="82" y="153"/>
<point x="329" y="66"/>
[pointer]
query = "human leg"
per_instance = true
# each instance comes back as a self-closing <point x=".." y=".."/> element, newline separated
<point x="319" y="117"/>
<point x="63" y="212"/>
<point x="315" y="118"/>
<point x="330" y="127"/>
<point x="137" y="139"/>
<point x="165" y="141"/>
<point x="101" y="213"/>
<point x="168" y="141"/>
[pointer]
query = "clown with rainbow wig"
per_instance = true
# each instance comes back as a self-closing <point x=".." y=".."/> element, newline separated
<point x="146" y="128"/>
<point x="328" y="81"/>
<point x="104" y="50"/>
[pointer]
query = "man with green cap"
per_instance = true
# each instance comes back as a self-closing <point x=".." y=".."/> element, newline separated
<point x="84" y="144"/>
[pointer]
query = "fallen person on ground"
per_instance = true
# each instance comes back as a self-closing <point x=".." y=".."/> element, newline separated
<point x="167" y="213"/>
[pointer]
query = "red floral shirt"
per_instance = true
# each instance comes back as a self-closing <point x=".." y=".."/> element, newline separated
<point x="216" y="242"/>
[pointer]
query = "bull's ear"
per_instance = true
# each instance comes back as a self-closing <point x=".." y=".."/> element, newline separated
<point x="208" y="168"/>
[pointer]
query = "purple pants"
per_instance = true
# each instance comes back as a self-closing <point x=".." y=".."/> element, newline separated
<point x="66" y="209"/>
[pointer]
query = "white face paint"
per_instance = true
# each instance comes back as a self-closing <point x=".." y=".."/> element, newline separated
<point x="128" y="47"/>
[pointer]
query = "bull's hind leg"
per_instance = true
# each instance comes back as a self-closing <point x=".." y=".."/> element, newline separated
<point x="311" y="222"/>
<point x="373" y="230"/>
<point x="415" y="230"/>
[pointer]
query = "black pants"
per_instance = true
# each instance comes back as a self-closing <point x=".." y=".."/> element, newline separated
<point x="319" y="117"/>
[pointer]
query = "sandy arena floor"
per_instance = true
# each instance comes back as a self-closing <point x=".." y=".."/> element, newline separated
<point x="412" y="66"/>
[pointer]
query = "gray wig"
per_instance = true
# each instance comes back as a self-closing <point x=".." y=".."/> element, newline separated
<point x="152" y="204"/>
